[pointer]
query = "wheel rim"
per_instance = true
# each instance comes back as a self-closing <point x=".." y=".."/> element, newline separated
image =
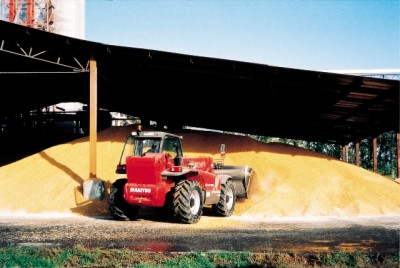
<point x="194" y="202"/>
<point x="229" y="198"/>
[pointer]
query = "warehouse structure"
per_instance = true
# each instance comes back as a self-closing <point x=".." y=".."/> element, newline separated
<point x="44" y="69"/>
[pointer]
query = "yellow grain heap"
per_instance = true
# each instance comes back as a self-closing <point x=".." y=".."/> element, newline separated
<point x="290" y="181"/>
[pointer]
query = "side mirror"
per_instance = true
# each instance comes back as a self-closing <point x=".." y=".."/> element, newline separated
<point x="121" y="169"/>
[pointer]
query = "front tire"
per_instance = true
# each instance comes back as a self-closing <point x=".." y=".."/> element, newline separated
<point x="119" y="208"/>
<point x="187" y="203"/>
<point x="227" y="200"/>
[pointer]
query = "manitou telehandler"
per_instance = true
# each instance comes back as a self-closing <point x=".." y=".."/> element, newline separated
<point x="156" y="174"/>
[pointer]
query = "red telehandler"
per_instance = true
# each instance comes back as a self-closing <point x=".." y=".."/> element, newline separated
<point x="156" y="174"/>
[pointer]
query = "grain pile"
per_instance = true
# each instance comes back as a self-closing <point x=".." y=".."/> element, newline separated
<point x="290" y="181"/>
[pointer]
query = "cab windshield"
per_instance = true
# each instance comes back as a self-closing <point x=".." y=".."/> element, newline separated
<point x="140" y="146"/>
<point x="137" y="146"/>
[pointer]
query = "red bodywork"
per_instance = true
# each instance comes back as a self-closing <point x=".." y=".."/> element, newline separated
<point x="151" y="177"/>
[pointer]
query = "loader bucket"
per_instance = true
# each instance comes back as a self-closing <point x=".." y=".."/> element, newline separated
<point x="242" y="177"/>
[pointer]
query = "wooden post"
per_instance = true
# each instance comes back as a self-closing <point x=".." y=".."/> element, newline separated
<point x="344" y="153"/>
<point x="375" y="154"/>
<point x="93" y="188"/>
<point x="93" y="119"/>
<point x="398" y="155"/>
<point x="358" y="154"/>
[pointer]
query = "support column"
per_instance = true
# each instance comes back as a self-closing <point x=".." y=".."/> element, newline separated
<point x="93" y="188"/>
<point x="344" y="153"/>
<point x="358" y="154"/>
<point x="93" y="119"/>
<point x="375" y="154"/>
<point x="398" y="155"/>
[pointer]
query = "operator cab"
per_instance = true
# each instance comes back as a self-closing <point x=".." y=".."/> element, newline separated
<point x="144" y="142"/>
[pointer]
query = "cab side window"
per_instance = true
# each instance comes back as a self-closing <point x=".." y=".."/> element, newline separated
<point x="172" y="146"/>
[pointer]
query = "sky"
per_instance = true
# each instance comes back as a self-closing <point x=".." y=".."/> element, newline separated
<point x="307" y="34"/>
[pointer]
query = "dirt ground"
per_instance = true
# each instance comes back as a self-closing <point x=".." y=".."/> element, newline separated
<point x="290" y="181"/>
<point x="150" y="234"/>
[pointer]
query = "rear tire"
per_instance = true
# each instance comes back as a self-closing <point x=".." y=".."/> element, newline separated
<point x="187" y="203"/>
<point x="227" y="200"/>
<point x="119" y="208"/>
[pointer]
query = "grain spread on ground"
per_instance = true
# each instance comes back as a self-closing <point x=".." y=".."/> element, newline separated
<point x="289" y="182"/>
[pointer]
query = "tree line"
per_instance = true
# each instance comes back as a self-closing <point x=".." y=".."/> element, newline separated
<point x="386" y="151"/>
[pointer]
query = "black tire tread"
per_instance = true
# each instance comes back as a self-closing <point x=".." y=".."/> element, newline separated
<point x="119" y="208"/>
<point x="181" y="202"/>
<point x="220" y="209"/>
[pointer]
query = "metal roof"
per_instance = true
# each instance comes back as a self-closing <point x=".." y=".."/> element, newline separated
<point x="39" y="69"/>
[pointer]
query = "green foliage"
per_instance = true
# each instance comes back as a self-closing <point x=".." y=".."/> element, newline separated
<point x="195" y="260"/>
<point x="79" y="256"/>
<point x="386" y="151"/>
<point x="229" y="259"/>
<point x="24" y="257"/>
<point x="343" y="259"/>
<point x="334" y="259"/>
